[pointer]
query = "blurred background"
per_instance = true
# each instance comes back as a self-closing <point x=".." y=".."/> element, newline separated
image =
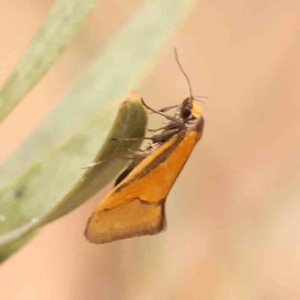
<point x="234" y="213"/>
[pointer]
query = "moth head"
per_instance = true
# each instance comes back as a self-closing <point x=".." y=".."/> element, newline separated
<point x="190" y="109"/>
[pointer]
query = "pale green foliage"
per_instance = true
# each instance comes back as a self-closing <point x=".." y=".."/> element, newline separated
<point x="43" y="179"/>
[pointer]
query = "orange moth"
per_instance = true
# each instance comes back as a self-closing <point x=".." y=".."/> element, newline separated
<point x="136" y="206"/>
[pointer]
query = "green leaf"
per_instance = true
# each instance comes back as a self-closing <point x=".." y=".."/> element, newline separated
<point x="43" y="179"/>
<point x="130" y="123"/>
<point x="20" y="203"/>
<point x="15" y="244"/>
<point x="50" y="40"/>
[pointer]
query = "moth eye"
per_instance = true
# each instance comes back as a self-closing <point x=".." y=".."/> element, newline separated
<point x="185" y="112"/>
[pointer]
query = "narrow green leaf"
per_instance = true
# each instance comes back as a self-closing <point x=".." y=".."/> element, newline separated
<point x="15" y="244"/>
<point x="43" y="179"/>
<point x="130" y="123"/>
<point x="36" y="197"/>
<point x="50" y="40"/>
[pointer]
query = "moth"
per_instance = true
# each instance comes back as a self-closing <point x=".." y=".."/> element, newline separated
<point x="136" y="205"/>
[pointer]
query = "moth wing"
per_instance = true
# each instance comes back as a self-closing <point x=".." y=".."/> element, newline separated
<point x="130" y="219"/>
<point x="136" y="206"/>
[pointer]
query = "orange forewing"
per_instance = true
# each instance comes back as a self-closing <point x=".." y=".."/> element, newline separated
<point x="136" y="206"/>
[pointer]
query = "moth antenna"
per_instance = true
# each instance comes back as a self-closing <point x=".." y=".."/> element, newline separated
<point x="197" y="99"/>
<point x="183" y="72"/>
<point x="197" y="96"/>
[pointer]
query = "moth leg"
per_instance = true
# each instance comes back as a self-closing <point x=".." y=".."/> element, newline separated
<point x="131" y="139"/>
<point x="161" y="113"/>
<point x="167" y="108"/>
<point x="92" y="165"/>
<point x="169" y="126"/>
<point x="134" y="152"/>
<point x="157" y="129"/>
<point x="164" y="136"/>
<point x="129" y="156"/>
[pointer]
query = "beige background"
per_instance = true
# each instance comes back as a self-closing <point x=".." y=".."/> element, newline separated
<point x="233" y="215"/>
